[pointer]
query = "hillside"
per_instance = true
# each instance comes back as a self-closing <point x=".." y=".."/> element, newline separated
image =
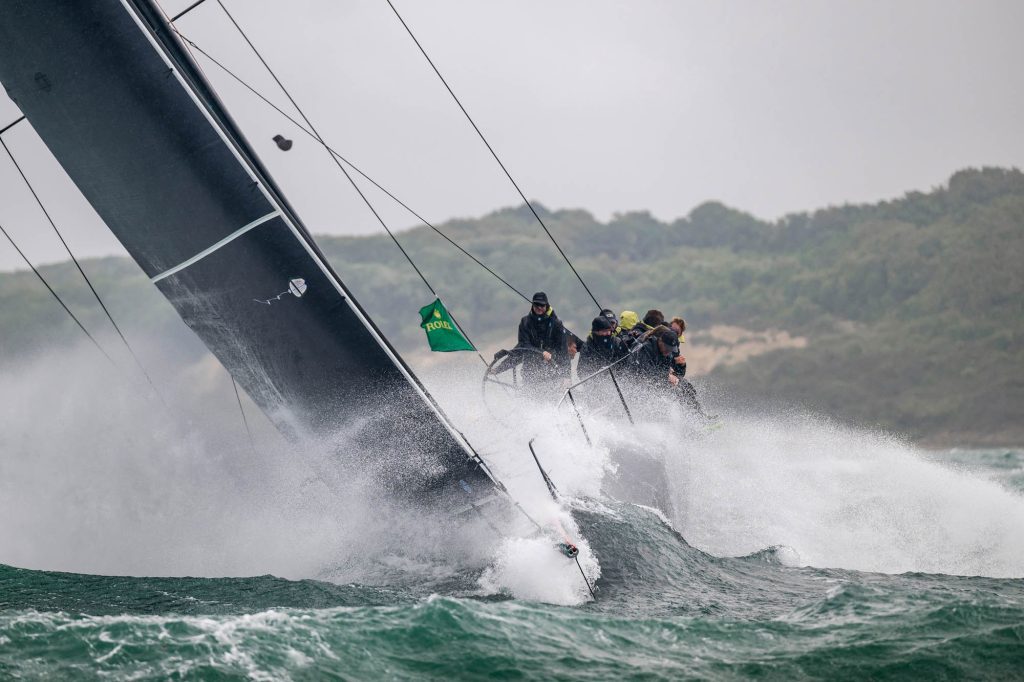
<point x="907" y="314"/>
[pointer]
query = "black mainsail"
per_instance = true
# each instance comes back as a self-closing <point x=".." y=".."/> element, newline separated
<point x="126" y="112"/>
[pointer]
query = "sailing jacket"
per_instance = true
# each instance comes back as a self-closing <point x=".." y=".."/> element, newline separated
<point x="631" y="337"/>
<point x="598" y="352"/>
<point x="651" y="365"/>
<point x="544" y="333"/>
<point x="652" y="368"/>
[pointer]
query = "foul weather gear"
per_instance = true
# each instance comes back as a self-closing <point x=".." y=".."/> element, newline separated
<point x="653" y="368"/>
<point x="544" y="333"/>
<point x="599" y="351"/>
<point x="652" y="365"/>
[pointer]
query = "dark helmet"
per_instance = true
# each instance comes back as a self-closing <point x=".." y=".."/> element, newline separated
<point x="610" y="315"/>
<point x="540" y="298"/>
<point x="601" y="323"/>
<point x="671" y="341"/>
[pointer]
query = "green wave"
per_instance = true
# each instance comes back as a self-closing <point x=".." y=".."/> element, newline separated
<point x="664" y="611"/>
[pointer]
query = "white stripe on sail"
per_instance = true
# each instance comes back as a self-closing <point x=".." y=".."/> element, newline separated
<point x="301" y="238"/>
<point x="206" y="252"/>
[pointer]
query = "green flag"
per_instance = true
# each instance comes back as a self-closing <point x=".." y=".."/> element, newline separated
<point x="442" y="334"/>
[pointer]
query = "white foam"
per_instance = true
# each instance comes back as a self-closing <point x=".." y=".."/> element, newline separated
<point x="832" y="495"/>
<point x="95" y="479"/>
<point x="843" y="497"/>
<point x="530" y="568"/>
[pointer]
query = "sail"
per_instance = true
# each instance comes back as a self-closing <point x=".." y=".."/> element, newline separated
<point x="128" y="115"/>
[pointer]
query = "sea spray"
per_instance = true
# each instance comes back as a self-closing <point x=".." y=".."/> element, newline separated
<point x="121" y="485"/>
<point x="826" y="494"/>
<point x="98" y="476"/>
<point x="527" y="568"/>
<point x="842" y="497"/>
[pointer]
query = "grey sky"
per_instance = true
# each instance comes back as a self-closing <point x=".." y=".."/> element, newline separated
<point x="771" y="107"/>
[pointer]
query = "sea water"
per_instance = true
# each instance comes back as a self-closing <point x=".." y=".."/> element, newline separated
<point x="794" y="548"/>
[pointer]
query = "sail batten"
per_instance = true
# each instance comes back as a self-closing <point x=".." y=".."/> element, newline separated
<point x="206" y="252"/>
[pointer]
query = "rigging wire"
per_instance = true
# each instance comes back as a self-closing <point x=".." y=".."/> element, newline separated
<point x="466" y="442"/>
<point x="185" y="11"/>
<point x="437" y="408"/>
<point x="337" y="159"/>
<point x="56" y="295"/>
<point x="350" y="164"/>
<point x="347" y="162"/>
<point x="355" y="186"/>
<point x="354" y="167"/>
<point x="170" y="22"/>
<point x="12" y="124"/>
<point x="320" y="139"/>
<point x="78" y="265"/>
<point x="241" y="409"/>
<point x="495" y="155"/>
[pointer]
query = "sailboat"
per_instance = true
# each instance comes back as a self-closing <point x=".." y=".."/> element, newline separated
<point x="118" y="100"/>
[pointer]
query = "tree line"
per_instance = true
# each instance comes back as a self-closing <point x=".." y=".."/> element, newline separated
<point x="913" y="308"/>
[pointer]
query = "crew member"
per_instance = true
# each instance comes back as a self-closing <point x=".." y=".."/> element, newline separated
<point x="602" y="347"/>
<point x="656" y="359"/>
<point x="678" y="325"/>
<point x="606" y="312"/>
<point x="653" y="318"/>
<point x="543" y="344"/>
<point x="629" y="330"/>
<point x="662" y="367"/>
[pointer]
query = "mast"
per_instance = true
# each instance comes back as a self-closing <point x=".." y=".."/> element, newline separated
<point x="129" y="116"/>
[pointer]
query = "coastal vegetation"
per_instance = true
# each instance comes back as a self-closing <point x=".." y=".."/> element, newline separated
<point x="909" y="313"/>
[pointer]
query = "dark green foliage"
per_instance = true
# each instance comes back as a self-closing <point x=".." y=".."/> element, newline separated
<point x="914" y="308"/>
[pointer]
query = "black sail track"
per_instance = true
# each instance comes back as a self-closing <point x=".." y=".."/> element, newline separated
<point x="128" y="115"/>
